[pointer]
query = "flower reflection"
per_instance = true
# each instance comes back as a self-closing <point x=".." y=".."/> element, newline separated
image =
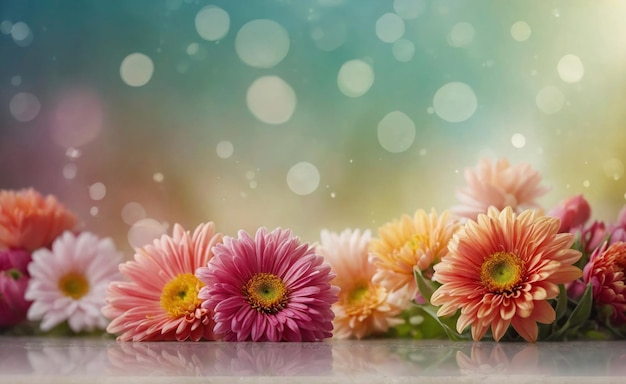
<point x="274" y="359"/>
<point x="490" y="358"/>
<point x="371" y="359"/>
<point x="161" y="359"/>
<point x="76" y="358"/>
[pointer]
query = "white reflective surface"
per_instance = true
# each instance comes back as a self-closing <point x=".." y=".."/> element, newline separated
<point x="50" y="360"/>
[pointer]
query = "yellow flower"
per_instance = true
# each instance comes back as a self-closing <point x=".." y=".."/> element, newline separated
<point x="410" y="242"/>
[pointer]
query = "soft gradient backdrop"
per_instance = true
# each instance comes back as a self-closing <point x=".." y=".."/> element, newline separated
<point x="306" y="114"/>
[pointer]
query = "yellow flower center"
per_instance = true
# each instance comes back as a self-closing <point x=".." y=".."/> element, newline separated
<point x="357" y="294"/>
<point x="417" y="241"/>
<point x="266" y="293"/>
<point x="502" y="272"/>
<point x="74" y="285"/>
<point x="180" y="295"/>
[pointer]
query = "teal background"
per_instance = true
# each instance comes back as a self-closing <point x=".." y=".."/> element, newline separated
<point x="172" y="125"/>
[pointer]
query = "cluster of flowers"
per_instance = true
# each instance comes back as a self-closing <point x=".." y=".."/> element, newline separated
<point x="495" y="265"/>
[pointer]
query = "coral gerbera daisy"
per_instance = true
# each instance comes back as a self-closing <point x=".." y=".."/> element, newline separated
<point x="502" y="269"/>
<point x="606" y="272"/>
<point x="30" y="221"/>
<point x="268" y="288"/>
<point x="364" y="308"/>
<point x="69" y="281"/>
<point x="160" y="302"/>
<point x="411" y="242"/>
<point x="498" y="184"/>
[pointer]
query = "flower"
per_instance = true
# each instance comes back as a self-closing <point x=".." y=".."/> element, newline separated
<point x="502" y="269"/>
<point x="30" y="221"/>
<point x="13" y="282"/>
<point x="605" y="271"/>
<point x="364" y="308"/>
<point x="573" y="213"/>
<point x="500" y="185"/>
<point x="160" y="302"/>
<point x="268" y="288"/>
<point x="408" y="243"/>
<point x="69" y="281"/>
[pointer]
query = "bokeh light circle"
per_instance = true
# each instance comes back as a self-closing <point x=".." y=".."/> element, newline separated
<point x="303" y="178"/>
<point x="224" y="149"/>
<point x="77" y="118"/>
<point x="455" y="102"/>
<point x="136" y="69"/>
<point x="24" y="106"/>
<point x="212" y="23"/>
<point x="570" y="68"/>
<point x="550" y="100"/>
<point x="132" y="212"/>
<point x="396" y="132"/>
<point x="355" y="78"/>
<point x="144" y="231"/>
<point x="518" y="140"/>
<point x="520" y="31"/>
<point x="262" y="43"/>
<point x="22" y="34"/>
<point x="329" y="32"/>
<point x="271" y="100"/>
<point x="389" y="27"/>
<point x="461" y="34"/>
<point x="403" y="50"/>
<point x="97" y="191"/>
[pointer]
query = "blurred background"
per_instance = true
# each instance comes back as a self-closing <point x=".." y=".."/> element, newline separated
<point x="306" y="114"/>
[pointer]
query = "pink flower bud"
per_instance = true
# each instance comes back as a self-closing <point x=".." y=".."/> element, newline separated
<point x="573" y="213"/>
<point x="13" y="282"/>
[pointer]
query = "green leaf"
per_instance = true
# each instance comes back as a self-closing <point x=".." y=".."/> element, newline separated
<point x="581" y="313"/>
<point x="432" y="312"/>
<point x="561" y="302"/>
<point x="427" y="287"/>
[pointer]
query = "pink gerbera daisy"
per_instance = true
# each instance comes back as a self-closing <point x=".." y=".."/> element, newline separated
<point x="68" y="282"/>
<point x="364" y="307"/>
<point x="498" y="184"/>
<point x="408" y="243"/>
<point x="502" y="269"/>
<point x="605" y="271"/>
<point x="30" y="221"/>
<point x="160" y="302"/>
<point x="268" y="288"/>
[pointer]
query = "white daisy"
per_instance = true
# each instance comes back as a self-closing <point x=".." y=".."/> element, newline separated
<point x="69" y="282"/>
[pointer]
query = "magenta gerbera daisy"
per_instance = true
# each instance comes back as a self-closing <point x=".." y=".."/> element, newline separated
<point x="160" y="302"/>
<point x="268" y="288"/>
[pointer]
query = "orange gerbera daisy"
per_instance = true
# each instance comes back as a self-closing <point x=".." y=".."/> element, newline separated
<point x="408" y="243"/>
<point x="502" y="269"/>
<point x="30" y="221"/>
